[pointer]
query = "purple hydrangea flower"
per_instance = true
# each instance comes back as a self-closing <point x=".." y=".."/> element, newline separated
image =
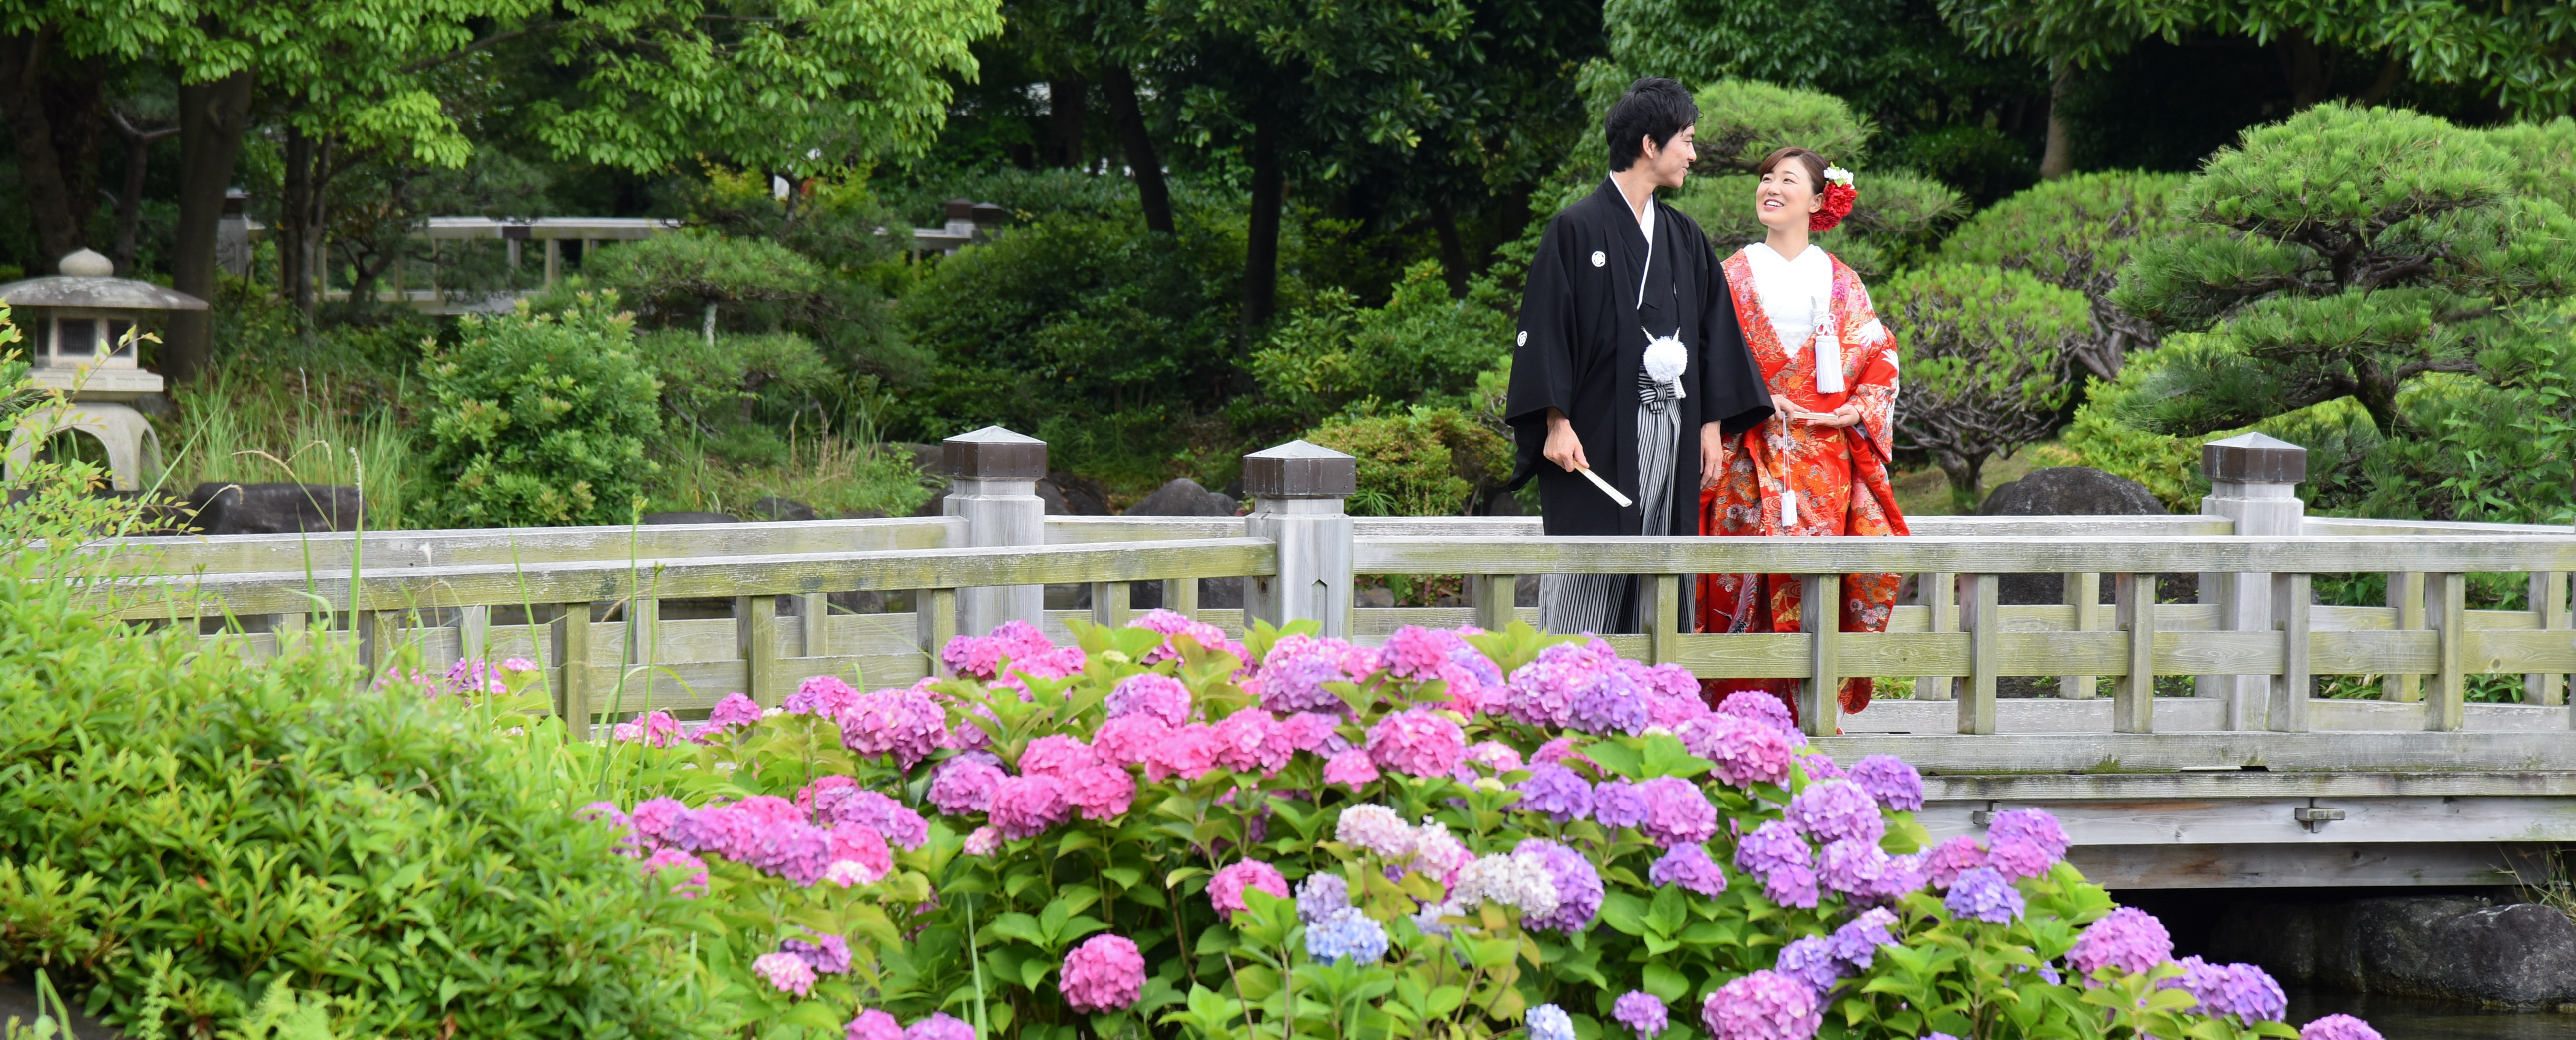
<point x="1746" y="752"/>
<point x="1984" y="895"/>
<point x="1830" y="810"/>
<point x="904" y="723"/>
<point x="1943" y="865"/>
<point x="1820" y="767"/>
<point x="1150" y="693"/>
<point x="1676" y="812"/>
<point x="1856" y="943"/>
<point x="1614" y="701"/>
<point x="1543" y="692"/>
<point x="1888" y="779"/>
<point x="827" y="954"/>
<point x="2019" y="859"/>
<point x="1549" y="1022"/>
<point x="1578" y="887"/>
<point x="939" y="1026"/>
<point x="1810" y="961"/>
<point x="1688" y="865"/>
<point x="2338" y="1027"/>
<point x="1293" y="675"/>
<point x="1764" y="1005"/>
<point x="2128" y="940"/>
<point x="1852" y="867"/>
<point x="964" y="784"/>
<point x="1618" y="803"/>
<point x="2242" y="990"/>
<point x="1643" y="1012"/>
<point x="1556" y="792"/>
<point x="1322" y="895"/>
<point x="893" y="820"/>
<point x="1772" y="847"/>
<point x="2035" y="826"/>
<point x="1758" y="706"/>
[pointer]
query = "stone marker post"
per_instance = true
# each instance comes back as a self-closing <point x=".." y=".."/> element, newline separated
<point x="2252" y="482"/>
<point x="1297" y="491"/>
<point x="993" y="485"/>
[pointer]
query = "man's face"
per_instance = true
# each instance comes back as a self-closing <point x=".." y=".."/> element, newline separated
<point x="1669" y="164"/>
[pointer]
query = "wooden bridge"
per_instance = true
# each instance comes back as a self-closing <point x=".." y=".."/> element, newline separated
<point x="2250" y="780"/>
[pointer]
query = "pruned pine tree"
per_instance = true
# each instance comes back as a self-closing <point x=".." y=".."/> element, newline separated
<point x="2076" y="233"/>
<point x="1984" y="362"/>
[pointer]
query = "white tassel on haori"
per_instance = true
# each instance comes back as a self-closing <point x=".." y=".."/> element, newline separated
<point x="1666" y="360"/>
<point x="1829" y="351"/>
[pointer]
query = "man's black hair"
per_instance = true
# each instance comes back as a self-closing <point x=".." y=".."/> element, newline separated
<point x="1653" y="107"/>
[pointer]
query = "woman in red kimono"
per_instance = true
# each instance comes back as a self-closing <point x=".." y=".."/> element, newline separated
<point x="1818" y="466"/>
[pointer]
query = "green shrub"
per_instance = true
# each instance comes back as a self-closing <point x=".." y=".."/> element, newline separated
<point x="1898" y="215"/>
<point x="187" y="830"/>
<point x="1422" y="344"/>
<point x="750" y="284"/>
<point x="1985" y="359"/>
<point x="738" y="393"/>
<point x="539" y="419"/>
<point x="1421" y="462"/>
<point x="2075" y="233"/>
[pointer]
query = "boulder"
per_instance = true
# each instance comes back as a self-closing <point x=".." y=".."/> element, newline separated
<point x="666" y="519"/>
<point x="1184" y="497"/>
<point x="1081" y="496"/>
<point x="275" y="508"/>
<point x="775" y="508"/>
<point x="2072" y="491"/>
<point x="2452" y="947"/>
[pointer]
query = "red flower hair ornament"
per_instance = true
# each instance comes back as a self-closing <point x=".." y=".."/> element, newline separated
<point x="1839" y="195"/>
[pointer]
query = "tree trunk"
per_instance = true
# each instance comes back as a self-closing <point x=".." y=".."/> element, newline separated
<point x="2390" y="72"/>
<point x="1261" y="241"/>
<point x="1964" y="470"/>
<point x="129" y="203"/>
<point x="212" y="118"/>
<point x="2057" y="159"/>
<point x="1067" y="98"/>
<point x="1453" y="249"/>
<point x="2305" y="69"/>
<point x="1152" y="195"/>
<point x="294" y="219"/>
<point x="40" y="165"/>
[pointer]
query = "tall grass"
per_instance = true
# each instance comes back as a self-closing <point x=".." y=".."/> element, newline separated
<point x="246" y="426"/>
<point x="839" y="474"/>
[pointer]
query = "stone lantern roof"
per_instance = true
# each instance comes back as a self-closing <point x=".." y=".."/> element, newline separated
<point x="88" y="282"/>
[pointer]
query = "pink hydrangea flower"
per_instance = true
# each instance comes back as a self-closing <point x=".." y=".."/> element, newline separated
<point x="1249" y="741"/>
<point x="1128" y="740"/>
<point x="654" y="818"/>
<point x="1952" y="858"/>
<point x="1152" y="694"/>
<point x="1415" y="653"/>
<point x="2128" y="940"/>
<point x="863" y="846"/>
<point x="1025" y="806"/>
<point x="1758" y="706"/>
<point x="1100" y="792"/>
<point x="2338" y="1027"/>
<point x="1294" y="672"/>
<point x="824" y="695"/>
<point x="982" y="841"/>
<point x="1417" y="743"/>
<point x="786" y="971"/>
<point x="1350" y="769"/>
<point x="734" y="710"/>
<point x="1495" y="755"/>
<point x="939" y="1026"/>
<point x="963" y="785"/>
<point x="1057" y="756"/>
<point x="1225" y="890"/>
<point x="849" y="805"/>
<point x="1185" y="751"/>
<point x="873" y="1024"/>
<point x="689" y="873"/>
<point x="1105" y="973"/>
<point x="655" y="729"/>
<point x="1375" y="829"/>
<point x="1764" y="1005"/>
<point x="1745" y="752"/>
<point x="1170" y="624"/>
<point x="906" y="724"/>
<point x="1310" y="731"/>
<point x="1676" y="812"/>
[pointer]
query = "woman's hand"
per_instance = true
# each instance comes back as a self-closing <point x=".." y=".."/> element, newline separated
<point x="1563" y="447"/>
<point x="1712" y="455"/>
<point x="1846" y="416"/>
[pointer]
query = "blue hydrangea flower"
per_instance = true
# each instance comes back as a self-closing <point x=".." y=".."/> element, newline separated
<point x="1550" y="1022"/>
<point x="1810" y="961"/>
<point x="1347" y="933"/>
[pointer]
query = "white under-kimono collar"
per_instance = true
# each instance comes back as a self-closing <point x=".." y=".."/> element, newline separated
<point x="1797" y="294"/>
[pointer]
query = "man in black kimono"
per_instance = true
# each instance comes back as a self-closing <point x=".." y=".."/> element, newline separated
<point x="1629" y="361"/>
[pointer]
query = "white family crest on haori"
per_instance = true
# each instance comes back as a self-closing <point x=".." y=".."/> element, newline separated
<point x="1599" y="258"/>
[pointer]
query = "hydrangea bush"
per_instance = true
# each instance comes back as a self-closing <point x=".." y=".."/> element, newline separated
<point x="1163" y="832"/>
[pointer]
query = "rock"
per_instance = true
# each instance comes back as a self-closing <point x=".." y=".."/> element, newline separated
<point x="925" y="457"/>
<point x="2072" y="491"/>
<point x="775" y="508"/>
<point x="2452" y="947"/>
<point x="1054" y="499"/>
<point x="1374" y="597"/>
<point x="18" y="1000"/>
<point x="936" y="505"/>
<point x="1184" y="497"/>
<point x="275" y="508"/>
<point x="1082" y="496"/>
<point x="666" y="519"/>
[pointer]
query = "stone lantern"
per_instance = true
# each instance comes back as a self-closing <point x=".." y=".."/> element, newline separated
<point x="79" y="330"/>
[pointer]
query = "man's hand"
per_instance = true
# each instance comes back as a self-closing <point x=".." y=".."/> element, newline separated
<point x="1563" y="447"/>
<point x="1712" y="455"/>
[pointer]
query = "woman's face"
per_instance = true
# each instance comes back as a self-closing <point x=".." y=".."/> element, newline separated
<point x="1785" y="196"/>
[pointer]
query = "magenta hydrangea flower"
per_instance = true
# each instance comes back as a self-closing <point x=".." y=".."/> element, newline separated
<point x="786" y="971"/>
<point x="827" y="954"/>
<point x="1225" y="889"/>
<point x="893" y="820"/>
<point x="1295" y="670"/>
<point x="1758" y="706"/>
<point x="654" y="818"/>
<point x="861" y="846"/>
<point x="1618" y="803"/>
<point x="1856" y="943"/>
<point x="2243" y="990"/>
<point x="1764" y="1005"/>
<point x="1187" y="752"/>
<point x="824" y="695"/>
<point x="2128" y="940"/>
<point x="1105" y="973"/>
<point x="1170" y="624"/>
<point x="655" y="729"/>
<point x="1643" y="1012"/>
<point x="1056" y="755"/>
<point x="1025" y="806"/>
<point x="906" y="724"/>
<point x="1151" y="694"/>
<point x="688" y="873"/>
<point x="1312" y="731"/>
<point x="1414" y="654"/>
<point x="1555" y="792"/>
<point x="1578" y="887"/>
<point x="964" y="784"/>
<point x="1128" y="740"/>
<point x="1351" y="769"/>
<point x="1688" y="865"/>
<point x="2338" y="1027"/>
<point x="1250" y="741"/>
<point x="1100" y="792"/>
<point x="1745" y="752"/>
<point x="873" y="1024"/>
<point x="1811" y="961"/>
<point x="1952" y="858"/>
<point x="734" y="710"/>
<point x="1984" y="895"/>
<point x="939" y="1026"/>
<point x="1834" y="809"/>
<point x="1672" y="713"/>
<point x="1417" y="743"/>
<point x="1887" y="778"/>
<point x="1676" y="812"/>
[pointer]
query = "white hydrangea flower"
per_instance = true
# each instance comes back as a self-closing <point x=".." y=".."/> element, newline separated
<point x="1376" y="829"/>
<point x="1518" y="881"/>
